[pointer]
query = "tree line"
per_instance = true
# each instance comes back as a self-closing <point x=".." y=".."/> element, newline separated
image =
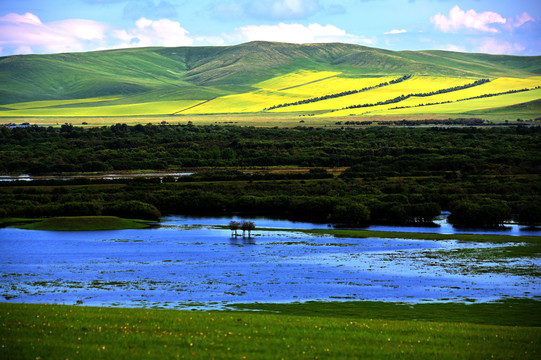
<point x="352" y="198"/>
<point x="483" y="176"/>
<point x="379" y="150"/>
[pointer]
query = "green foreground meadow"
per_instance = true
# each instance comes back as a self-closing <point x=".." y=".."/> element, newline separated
<point x="301" y="331"/>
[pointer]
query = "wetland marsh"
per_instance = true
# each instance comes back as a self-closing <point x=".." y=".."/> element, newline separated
<point x="188" y="263"/>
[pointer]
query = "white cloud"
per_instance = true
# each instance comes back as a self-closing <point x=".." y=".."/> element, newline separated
<point x="287" y="9"/>
<point x="452" y="47"/>
<point x="493" y="46"/>
<point x="295" y="33"/>
<point x="22" y="50"/>
<point x="395" y="31"/>
<point x="26" y="34"/>
<point x="210" y="40"/>
<point x="520" y="20"/>
<point x="81" y="28"/>
<point x="27" y="18"/>
<point x="162" y="32"/>
<point x="23" y="34"/>
<point x="267" y="9"/>
<point x="470" y="19"/>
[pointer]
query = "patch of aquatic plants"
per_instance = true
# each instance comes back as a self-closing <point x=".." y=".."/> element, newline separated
<point x="518" y="259"/>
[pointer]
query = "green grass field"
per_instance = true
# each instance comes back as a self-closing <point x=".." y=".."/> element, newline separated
<point x="302" y="331"/>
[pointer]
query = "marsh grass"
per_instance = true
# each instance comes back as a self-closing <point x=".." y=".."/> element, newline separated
<point x="85" y="223"/>
<point x="30" y="331"/>
<point x="347" y="233"/>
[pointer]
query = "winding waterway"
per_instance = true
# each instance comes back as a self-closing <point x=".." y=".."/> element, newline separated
<point x="188" y="263"/>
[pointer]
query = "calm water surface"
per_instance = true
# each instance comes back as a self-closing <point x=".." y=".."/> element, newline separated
<point x="188" y="264"/>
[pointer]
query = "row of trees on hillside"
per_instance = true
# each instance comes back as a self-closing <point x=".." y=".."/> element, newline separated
<point x="468" y="98"/>
<point x="425" y="94"/>
<point x="340" y="94"/>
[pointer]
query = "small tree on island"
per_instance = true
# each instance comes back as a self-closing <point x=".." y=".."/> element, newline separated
<point x="247" y="226"/>
<point x="234" y="225"/>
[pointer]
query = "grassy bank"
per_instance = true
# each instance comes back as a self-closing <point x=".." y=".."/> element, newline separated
<point x="415" y="235"/>
<point x="511" y="312"/>
<point x="58" y="332"/>
<point x="83" y="223"/>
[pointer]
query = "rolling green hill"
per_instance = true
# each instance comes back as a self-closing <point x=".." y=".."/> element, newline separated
<point x="199" y="74"/>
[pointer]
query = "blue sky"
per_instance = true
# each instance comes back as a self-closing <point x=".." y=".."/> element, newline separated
<point x="53" y="26"/>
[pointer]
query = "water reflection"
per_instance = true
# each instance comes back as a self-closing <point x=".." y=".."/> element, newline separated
<point x="240" y="240"/>
<point x="112" y="176"/>
<point x="444" y="227"/>
<point x="441" y="225"/>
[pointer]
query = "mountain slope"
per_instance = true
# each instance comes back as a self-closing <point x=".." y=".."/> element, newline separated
<point x="215" y="71"/>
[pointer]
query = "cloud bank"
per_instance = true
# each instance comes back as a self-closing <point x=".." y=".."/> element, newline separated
<point x="295" y="33"/>
<point x="162" y="32"/>
<point x="470" y="19"/>
<point x="267" y="9"/>
<point x="27" y="34"/>
<point x="465" y="30"/>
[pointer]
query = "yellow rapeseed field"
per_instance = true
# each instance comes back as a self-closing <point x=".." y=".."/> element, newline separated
<point x="493" y="87"/>
<point x="468" y="105"/>
<point x="254" y="101"/>
<point x="48" y="103"/>
<point x="149" y="108"/>
<point x="336" y="85"/>
<point x="416" y="84"/>
<point x="258" y="100"/>
<point x="302" y="85"/>
<point x="294" y="79"/>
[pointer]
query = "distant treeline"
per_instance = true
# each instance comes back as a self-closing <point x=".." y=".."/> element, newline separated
<point x="458" y="121"/>
<point x="340" y="94"/>
<point x="350" y="199"/>
<point x="483" y="176"/>
<point x="383" y="151"/>
<point x="431" y="93"/>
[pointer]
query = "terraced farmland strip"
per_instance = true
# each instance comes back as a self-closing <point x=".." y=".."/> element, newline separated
<point x="239" y="103"/>
<point x="191" y="107"/>
<point x="50" y="103"/>
<point x="404" y="97"/>
<point x="471" y="98"/>
<point x="147" y="108"/>
<point x="458" y="107"/>
<point x="295" y="79"/>
<point x="308" y="83"/>
<point x="499" y="86"/>
<point x="336" y="95"/>
<point x="416" y="84"/>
